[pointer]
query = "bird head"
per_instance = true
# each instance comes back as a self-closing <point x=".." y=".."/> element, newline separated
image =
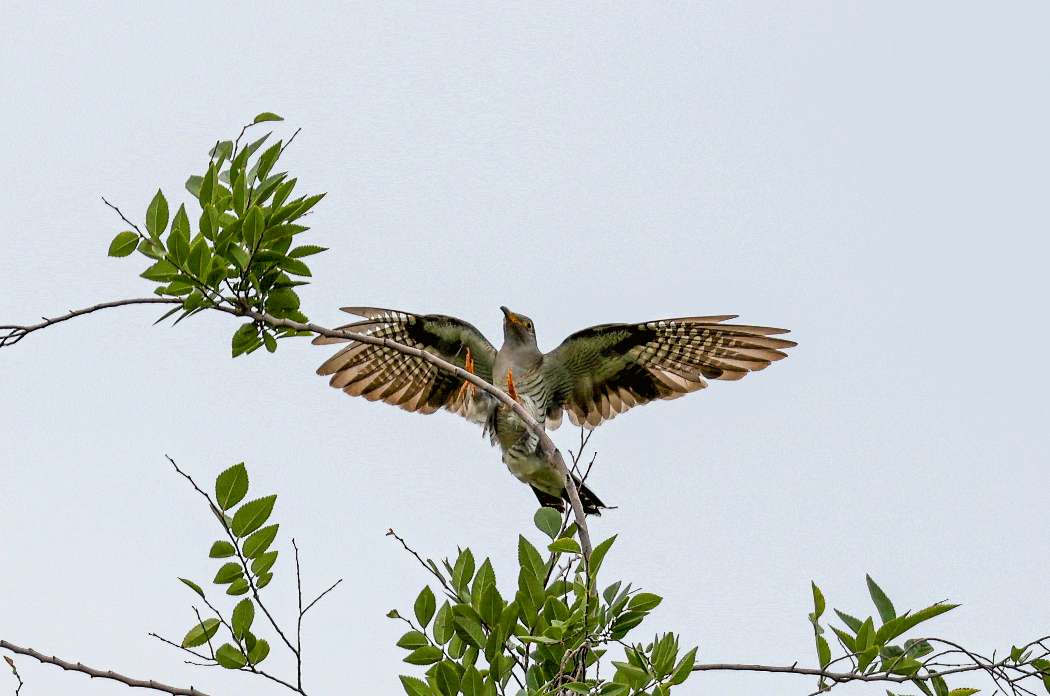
<point x="518" y="328"/>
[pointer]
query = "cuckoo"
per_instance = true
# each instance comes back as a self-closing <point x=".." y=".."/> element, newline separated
<point x="593" y="376"/>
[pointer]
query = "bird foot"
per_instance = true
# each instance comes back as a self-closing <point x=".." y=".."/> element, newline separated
<point x="468" y="365"/>
<point x="511" y="391"/>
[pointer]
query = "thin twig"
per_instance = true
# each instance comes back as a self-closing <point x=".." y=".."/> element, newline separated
<point x="320" y="596"/>
<point x="440" y="578"/>
<point x="101" y="674"/>
<point x="14" y="670"/>
<point x="123" y="217"/>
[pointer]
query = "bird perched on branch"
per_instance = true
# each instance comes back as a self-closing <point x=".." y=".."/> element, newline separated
<point x="593" y="376"/>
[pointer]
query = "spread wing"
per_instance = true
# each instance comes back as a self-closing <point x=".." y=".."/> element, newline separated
<point x="379" y="373"/>
<point x="600" y="372"/>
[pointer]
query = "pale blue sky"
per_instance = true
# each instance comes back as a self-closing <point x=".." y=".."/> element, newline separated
<point x="870" y="175"/>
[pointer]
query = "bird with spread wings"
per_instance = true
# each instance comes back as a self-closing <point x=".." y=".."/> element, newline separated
<point x="593" y="376"/>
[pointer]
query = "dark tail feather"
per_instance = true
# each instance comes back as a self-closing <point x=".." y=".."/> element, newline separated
<point x="592" y="504"/>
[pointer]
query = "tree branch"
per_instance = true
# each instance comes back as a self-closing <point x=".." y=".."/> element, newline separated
<point x="101" y="674"/>
<point x="549" y="449"/>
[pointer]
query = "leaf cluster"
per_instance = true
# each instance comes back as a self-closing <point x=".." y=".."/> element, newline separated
<point x="548" y="633"/>
<point x="247" y="544"/>
<point x="240" y="250"/>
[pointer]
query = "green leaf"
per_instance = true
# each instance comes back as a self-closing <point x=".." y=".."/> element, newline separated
<point x="295" y="267"/>
<point x="193" y="185"/>
<point x="157" y="215"/>
<point x="483" y="580"/>
<point x="253" y="227"/>
<point x="162" y="271"/>
<point x="425" y="606"/>
<point x="882" y="602"/>
<point x="472" y="683"/>
<point x="263" y="580"/>
<point x="965" y="692"/>
<point x="463" y="572"/>
<point x="221" y="549"/>
<point x="123" y="244"/>
<point x="238" y="587"/>
<point x="201" y="633"/>
<point x="447" y="679"/>
<point x="243" y="615"/>
<point x="230" y="657"/>
<point x="444" y="625"/>
<point x="468" y="628"/>
<point x="684" y="668"/>
<point x="598" y="554"/>
<point x="264" y="562"/>
<point x="259" y="541"/>
<point x="644" y="601"/>
<point x="415" y="687"/>
<point x="818" y="602"/>
<point x="227" y="573"/>
<point x="427" y="655"/>
<point x="939" y="687"/>
<point x="266" y="116"/>
<point x="412" y="640"/>
<point x="231" y="485"/>
<point x="548" y="521"/>
<point x="306" y="250"/>
<point x="490" y="605"/>
<point x="267" y="160"/>
<point x="259" y="651"/>
<point x="564" y="546"/>
<point x="193" y="586"/>
<point x="252" y="515"/>
<point x="529" y="558"/>
<point x="244" y="338"/>
<point x="823" y="651"/>
<point x="853" y="622"/>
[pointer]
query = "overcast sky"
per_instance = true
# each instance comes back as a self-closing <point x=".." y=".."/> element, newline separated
<point x="872" y="176"/>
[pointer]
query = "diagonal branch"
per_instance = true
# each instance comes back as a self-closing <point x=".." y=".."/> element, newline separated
<point x="101" y="674"/>
<point x="547" y="446"/>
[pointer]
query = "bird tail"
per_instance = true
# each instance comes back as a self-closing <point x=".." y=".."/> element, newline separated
<point x="592" y="504"/>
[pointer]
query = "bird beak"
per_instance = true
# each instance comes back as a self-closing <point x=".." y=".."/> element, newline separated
<point x="511" y="316"/>
<point x="506" y="312"/>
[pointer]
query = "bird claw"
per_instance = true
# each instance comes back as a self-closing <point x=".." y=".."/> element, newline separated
<point x="468" y="365"/>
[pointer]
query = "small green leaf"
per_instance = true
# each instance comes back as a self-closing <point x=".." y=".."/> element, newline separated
<point x="267" y="116"/>
<point x="123" y="244"/>
<point x="231" y="485"/>
<point x="598" y="554"/>
<point x="243" y="615"/>
<point x="252" y="515"/>
<point x="264" y="562"/>
<point x="548" y="521"/>
<point x="244" y="338"/>
<point x="295" y="267"/>
<point x="644" y="601"/>
<point x="238" y="587"/>
<point x="684" y="668"/>
<point x="259" y="541"/>
<point x="259" y="651"/>
<point x="253" y="227"/>
<point x="818" y="602"/>
<point x="157" y="215"/>
<point x="230" y="657"/>
<point x="425" y="606"/>
<point x="444" y="626"/>
<point x="966" y="692"/>
<point x="221" y="549"/>
<point x="228" y="573"/>
<point x="415" y="687"/>
<point x="529" y="558"/>
<point x="263" y="580"/>
<point x="447" y="679"/>
<point x="267" y="160"/>
<point x="823" y="651"/>
<point x="162" y="271"/>
<point x="306" y="250"/>
<point x="412" y="640"/>
<point x="564" y="546"/>
<point x="427" y="655"/>
<point x="853" y="622"/>
<point x="881" y="601"/>
<point x="201" y="633"/>
<point x="193" y="586"/>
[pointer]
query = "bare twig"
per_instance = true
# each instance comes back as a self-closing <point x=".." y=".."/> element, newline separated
<point x="320" y="596"/>
<point x="101" y="674"/>
<point x="17" y="332"/>
<point x="449" y="592"/>
<point x="123" y="217"/>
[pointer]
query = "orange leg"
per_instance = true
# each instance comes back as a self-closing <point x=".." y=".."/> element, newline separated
<point x="510" y="386"/>
<point x="468" y="365"/>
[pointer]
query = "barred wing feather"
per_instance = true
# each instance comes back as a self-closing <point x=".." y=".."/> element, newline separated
<point x="602" y="371"/>
<point x="379" y="373"/>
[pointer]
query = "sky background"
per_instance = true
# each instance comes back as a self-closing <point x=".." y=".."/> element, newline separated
<point x="872" y="176"/>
